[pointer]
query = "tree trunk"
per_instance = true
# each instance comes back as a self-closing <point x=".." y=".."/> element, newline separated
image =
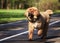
<point x="5" y="4"/>
<point x="8" y="4"/>
<point x="2" y="1"/>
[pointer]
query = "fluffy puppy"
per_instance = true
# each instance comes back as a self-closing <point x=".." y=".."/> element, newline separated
<point x="38" y="20"/>
<point x="32" y="15"/>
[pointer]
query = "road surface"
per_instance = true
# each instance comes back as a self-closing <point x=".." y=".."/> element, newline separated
<point x="16" y="32"/>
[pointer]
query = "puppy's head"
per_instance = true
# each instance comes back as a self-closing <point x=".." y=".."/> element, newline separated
<point x="32" y="14"/>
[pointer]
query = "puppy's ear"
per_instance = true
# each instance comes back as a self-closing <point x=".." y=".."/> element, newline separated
<point x="27" y="11"/>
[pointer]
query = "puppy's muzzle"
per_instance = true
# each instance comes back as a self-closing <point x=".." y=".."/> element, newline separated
<point x="35" y="18"/>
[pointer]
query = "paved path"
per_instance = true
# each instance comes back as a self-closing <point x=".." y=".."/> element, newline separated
<point x="11" y="29"/>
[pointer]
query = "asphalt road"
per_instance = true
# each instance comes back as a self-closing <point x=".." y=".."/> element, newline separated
<point x="20" y="27"/>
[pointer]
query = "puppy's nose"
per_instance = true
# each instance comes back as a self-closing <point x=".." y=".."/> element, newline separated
<point x="35" y="17"/>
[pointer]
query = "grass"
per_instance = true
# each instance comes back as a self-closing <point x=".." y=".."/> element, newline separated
<point x="57" y="11"/>
<point x="7" y="20"/>
<point x="12" y="11"/>
<point x="11" y="15"/>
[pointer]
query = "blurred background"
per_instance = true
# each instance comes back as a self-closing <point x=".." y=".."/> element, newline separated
<point x="13" y="10"/>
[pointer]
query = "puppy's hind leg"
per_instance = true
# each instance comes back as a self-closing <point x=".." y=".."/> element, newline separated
<point x="40" y="32"/>
<point x="44" y="34"/>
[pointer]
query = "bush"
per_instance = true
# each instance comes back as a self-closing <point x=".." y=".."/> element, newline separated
<point x="48" y="4"/>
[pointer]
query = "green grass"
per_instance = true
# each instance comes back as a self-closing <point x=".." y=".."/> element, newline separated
<point x="12" y="11"/>
<point x="7" y="20"/>
<point x="57" y="11"/>
<point x="11" y="15"/>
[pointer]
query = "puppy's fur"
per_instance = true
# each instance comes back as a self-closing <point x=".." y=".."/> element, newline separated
<point x="38" y="20"/>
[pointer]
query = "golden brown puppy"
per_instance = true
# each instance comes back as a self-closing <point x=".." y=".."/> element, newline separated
<point x="38" y="20"/>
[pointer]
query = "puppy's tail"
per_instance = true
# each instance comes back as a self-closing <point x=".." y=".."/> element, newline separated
<point x="49" y="12"/>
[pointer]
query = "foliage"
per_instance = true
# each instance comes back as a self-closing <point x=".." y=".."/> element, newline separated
<point x="31" y="2"/>
<point x="21" y="4"/>
<point x="44" y="4"/>
<point x="48" y="4"/>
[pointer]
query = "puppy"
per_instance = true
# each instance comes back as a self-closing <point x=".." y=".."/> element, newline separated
<point x="38" y="20"/>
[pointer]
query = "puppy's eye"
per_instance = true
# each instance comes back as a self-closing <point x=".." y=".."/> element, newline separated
<point x="30" y="15"/>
